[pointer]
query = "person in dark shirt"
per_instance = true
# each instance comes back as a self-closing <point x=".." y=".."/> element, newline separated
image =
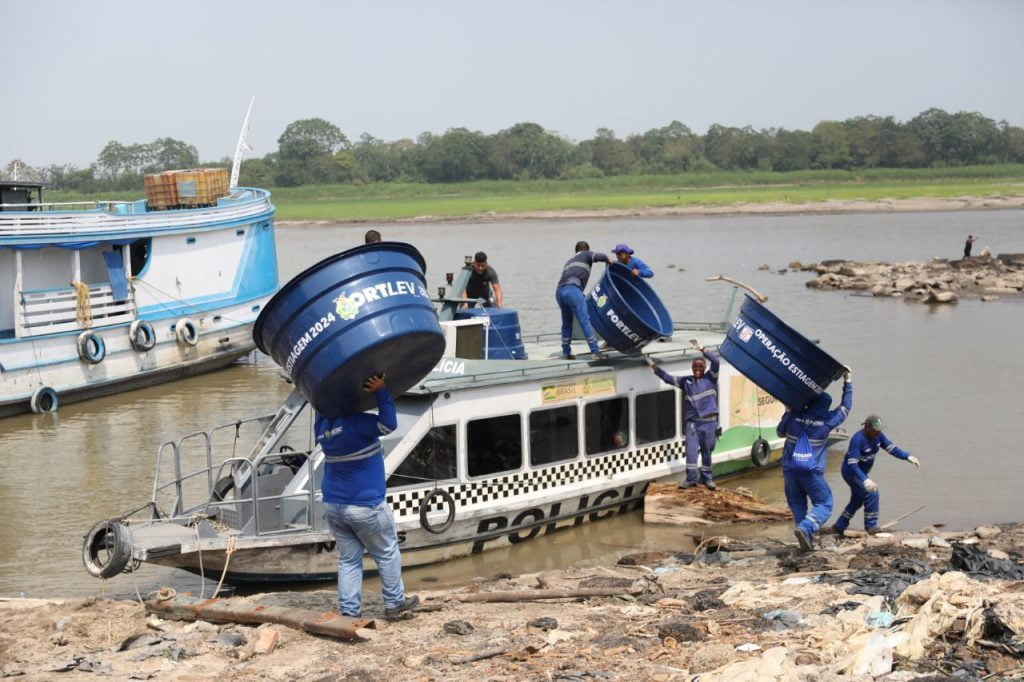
<point x="968" y="244"/>
<point x="572" y="302"/>
<point x="482" y="281"/>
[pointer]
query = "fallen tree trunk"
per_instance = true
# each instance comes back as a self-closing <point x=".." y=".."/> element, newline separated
<point x="537" y="595"/>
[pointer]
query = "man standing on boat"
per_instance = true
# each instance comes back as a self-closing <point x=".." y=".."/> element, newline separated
<point x="805" y="476"/>
<point x="572" y="301"/>
<point x="860" y="457"/>
<point x="700" y="413"/>
<point x="624" y="254"/>
<point x="354" y="500"/>
<point x="482" y="281"/>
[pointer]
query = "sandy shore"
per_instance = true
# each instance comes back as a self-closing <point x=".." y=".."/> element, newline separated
<point x="773" y="208"/>
<point x="736" y="612"/>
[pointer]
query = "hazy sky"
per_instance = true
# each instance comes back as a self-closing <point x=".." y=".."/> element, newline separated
<point x="82" y="73"/>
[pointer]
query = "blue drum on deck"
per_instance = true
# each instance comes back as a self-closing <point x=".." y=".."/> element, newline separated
<point x="626" y="312"/>
<point x="778" y="358"/>
<point x="504" y="337"/>
<point x="350" y="316"/>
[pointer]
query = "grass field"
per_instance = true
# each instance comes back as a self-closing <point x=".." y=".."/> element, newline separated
<point x="393" y="201"/>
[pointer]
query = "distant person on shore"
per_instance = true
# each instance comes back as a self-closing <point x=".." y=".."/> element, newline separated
<point x="372" y="237"/>
<point x="969" y="244"/>
<point x="483" y="282"/>
<point x="700" y="414"/>
<point x="860" y="457"/>
<point x="572" y="301"/>
<point x="803" y="461"/>
<point x="624" y="254"/>
<point x="355" y="506"/>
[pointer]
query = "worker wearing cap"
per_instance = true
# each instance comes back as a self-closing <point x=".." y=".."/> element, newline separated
<point x="625" y="256"/>
<point x="860" y="457"/>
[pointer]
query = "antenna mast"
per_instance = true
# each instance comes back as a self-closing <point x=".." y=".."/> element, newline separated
<point x="242" y="146"/>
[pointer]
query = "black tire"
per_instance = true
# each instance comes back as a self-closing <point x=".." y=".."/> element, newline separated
<point x="91" y="348"/>
<point x="760" y="453"/>
<point x="44" y="399"/>
<point x="187" y="332"/>
<point x="142" y="336"/>
<point x="425" y="505"/>
<point x="107" y="549"/>
<point x="222" y="487"/>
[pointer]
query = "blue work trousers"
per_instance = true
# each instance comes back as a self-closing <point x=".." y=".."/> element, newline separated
<point x="859" y="497"/>
<point x="357" y="528"/>
<point x="700" y="439"/>
<point x="572" y="302"/>
<point x="800" y="487"/>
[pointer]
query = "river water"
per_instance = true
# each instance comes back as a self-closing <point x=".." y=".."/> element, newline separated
<point x="945" y="379"/>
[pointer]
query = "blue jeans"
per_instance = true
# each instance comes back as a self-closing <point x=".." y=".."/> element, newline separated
<point x="700" y="439"/>
<point x="572" y="301"/>
<point x="859" y="497"/>
<point x="357" y="528"/>
<point x="812" y="485"/>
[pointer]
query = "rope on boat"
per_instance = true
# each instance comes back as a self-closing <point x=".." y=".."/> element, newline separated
<point x="227" y="560"/>
<point x="83" y="306"/>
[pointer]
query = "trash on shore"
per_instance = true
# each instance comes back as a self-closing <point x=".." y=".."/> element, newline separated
<point x="764" y="616"/>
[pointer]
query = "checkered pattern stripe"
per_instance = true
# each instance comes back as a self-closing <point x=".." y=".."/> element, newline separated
<point x="489" y="490"/>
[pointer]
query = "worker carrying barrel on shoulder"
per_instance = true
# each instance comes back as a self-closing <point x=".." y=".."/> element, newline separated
<point x="803" y="460"/>
<point x="860" y="457"/>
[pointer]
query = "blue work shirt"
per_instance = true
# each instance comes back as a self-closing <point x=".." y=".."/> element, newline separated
<point x="700" y="396"/>
<point x="576" y="271"/>
<point x="817" y="421"/>
<point x="637" y="264"/>
<point x="860" y="455"/>
<point x="353" y="458"/>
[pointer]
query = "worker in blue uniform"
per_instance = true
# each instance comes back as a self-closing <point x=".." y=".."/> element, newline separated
<point x="860" y="457"/>
<point x="355" y="507"/>
<point x="815" y="421"/>
<point x="572" y="301"/>
<point x="624" y="254"/>
<point x="700" y="413"/>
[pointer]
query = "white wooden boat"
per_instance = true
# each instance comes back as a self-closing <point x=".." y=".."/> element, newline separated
<point x="100" y="297"/>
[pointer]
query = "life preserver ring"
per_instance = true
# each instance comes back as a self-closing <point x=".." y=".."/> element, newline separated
<point x="107" y="549"/>
<point x="142" y="336"/>
<point x="187" y="332"/>
<point x="44" y="399"/>
<point x="91" y="348"/>
<point x="760" y="452"/>
<point x="425" y="505"/>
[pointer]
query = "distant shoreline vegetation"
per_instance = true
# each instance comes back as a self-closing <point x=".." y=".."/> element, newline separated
<point x="313" y="153"/>
<point x="398" y="200"/>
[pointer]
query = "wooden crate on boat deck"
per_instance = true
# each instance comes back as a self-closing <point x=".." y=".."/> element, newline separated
<point x="161" y="190"/>
<point x="201" y="186"/>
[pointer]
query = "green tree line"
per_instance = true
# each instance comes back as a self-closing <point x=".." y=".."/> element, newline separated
<point x="315" y="151"/>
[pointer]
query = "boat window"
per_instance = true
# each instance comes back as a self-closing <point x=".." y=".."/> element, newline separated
<point x="655" y="416"/>
<point x="139" y="254"/>
<point x="554" y="436"/>
<point x="607" y="425"/>
<point x="433" y="459"/>
<point x="494" y="445"/>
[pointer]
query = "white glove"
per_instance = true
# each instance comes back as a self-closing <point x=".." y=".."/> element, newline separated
<point x="696" y="344"/>
<point x="649" y="361"/>
<point x="915" y="461"/>
<point x="870" y="486"/>
<point x="847" y="376"/>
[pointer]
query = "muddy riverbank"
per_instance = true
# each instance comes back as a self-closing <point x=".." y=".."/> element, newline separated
<point x="779" y="208"/>
<point x="921" y="605"/>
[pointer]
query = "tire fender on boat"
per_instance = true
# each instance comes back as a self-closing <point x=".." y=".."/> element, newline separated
<point x="44" y="399"/>
<point x="91" y="348"/>
<point x="760" y="452"/>
<point x="186" y="331"/>
<point x="142" y="336"/>
<point x="107" y="549"/>
<point x="425" y="505"/>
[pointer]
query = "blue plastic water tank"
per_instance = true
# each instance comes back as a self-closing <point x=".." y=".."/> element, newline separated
<point x="350" y="316"/>
<point x="504" y="337"/>
<point x="778" y="358"/>
<point x="625" y="311"/>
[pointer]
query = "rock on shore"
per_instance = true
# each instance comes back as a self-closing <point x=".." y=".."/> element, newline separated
<point x="938" y="281"/>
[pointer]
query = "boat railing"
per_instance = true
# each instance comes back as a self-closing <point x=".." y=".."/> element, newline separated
<point x="52" y="311"/>
<point x="118" y="206"/>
